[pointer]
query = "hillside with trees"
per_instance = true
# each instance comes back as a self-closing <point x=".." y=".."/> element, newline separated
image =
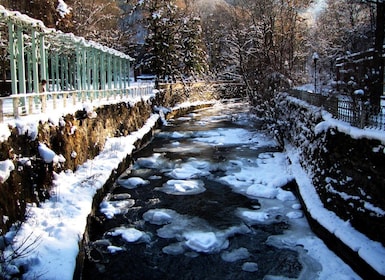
<point x="266" y="44"/>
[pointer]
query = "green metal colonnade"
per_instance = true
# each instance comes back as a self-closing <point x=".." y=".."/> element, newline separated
<point x="65" y="61"/>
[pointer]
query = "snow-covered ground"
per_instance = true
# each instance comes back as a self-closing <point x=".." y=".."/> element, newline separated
<point x="52" y="231"/>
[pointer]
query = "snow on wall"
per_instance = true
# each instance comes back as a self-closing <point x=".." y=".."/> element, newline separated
<point x="345" y="164"/>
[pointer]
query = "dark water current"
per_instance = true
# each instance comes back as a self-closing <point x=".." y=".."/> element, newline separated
<point x="170" y="216"/>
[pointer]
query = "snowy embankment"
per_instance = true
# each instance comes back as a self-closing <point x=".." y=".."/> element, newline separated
<point x="53" y="230"/>
<point x="49" y="238"/>
<point x="372" y="252"/>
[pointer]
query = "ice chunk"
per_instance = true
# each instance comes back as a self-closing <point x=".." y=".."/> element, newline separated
<point x="132" y="182"/>
<point x="255" y="216"/>
<point x="174" y="249"/>
<point x="296" y="206"/>
<point x="235" y="255"/>
<point x="183" y="187"/>
<point x="294" y="214"/>
<point x="113" y="249"/>
<point x="201" y="241"/>
<point x="260" y="190"/>
<point x="284" y="195"/>
<point x="157" y="160"/>
<point x="250" y="267"/>
<point x="112" y="208"/>
<point x="187" y="171"/>
<point x="128" y="234"/>
<point x="159" y="216"/>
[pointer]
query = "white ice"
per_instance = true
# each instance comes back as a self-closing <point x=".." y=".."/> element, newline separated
<point x="132" y="182"/>
<point x="111" y="208"/>
<point x="128" y="234"/>
<point x="183" y="187"/>
<point x="235" y="255"/>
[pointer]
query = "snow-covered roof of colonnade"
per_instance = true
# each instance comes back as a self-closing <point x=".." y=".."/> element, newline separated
<point x="54" y="37"/>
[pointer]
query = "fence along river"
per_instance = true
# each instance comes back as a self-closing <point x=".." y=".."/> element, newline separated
<point x="208" y="198"/>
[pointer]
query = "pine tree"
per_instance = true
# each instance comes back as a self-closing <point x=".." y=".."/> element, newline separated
<point x="193" y="55"/>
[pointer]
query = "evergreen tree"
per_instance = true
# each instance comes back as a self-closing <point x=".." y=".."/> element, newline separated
<point x="160" y="47"/>
<point x="193" y="55"/>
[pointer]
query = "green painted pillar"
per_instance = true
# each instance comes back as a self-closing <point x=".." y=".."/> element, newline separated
<point x="43" y="59"/>
<point x="29" y="71"/>
<point x="102" y="62"/>
<point x="21" y="65"/>
<point x="78" y="68"/>
<point x="109" y="71"/>
<point x="35" y="66"/>
<point x="12" y="57"/>
<point x="95" y="73"/>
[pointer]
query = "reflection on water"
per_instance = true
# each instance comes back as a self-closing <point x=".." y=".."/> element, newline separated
<point x="201" y="201"/>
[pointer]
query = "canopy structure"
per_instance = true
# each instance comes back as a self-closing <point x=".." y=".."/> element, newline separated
<point x="31" y="52"/>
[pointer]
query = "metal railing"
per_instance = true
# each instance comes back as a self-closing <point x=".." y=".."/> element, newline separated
<point x="355" y="112"/>
<point x="17" y="105"/>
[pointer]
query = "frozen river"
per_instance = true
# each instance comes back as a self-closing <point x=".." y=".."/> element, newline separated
<point x="209" y="198"/>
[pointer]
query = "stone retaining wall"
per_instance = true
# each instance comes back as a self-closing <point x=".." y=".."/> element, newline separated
<point x="347" y="172"/>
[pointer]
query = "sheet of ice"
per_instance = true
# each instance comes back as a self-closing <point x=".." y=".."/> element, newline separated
<point x="233" y="136"/>
<point x="260" y="178"/>
<point x="111" y="208"/>
<point x="260" y="190"/>
<point x="132" y="182"/>
<point x="182" y="187"/>
<point x="250" y="266"/>
<point x="191" y="233"/>
<point x="235" y="255"/>
<point x="206" y="242"/>
<point x="159" y="216"/>
<point x="157" y="160"/>
<point x="128" y="234"/>
<point x="114" y="249"/>
<point x="188" y="171"/>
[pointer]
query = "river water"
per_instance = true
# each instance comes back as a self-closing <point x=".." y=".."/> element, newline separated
<point x="209" y="198"/>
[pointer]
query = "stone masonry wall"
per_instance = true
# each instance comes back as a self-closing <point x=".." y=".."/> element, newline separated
<point x="347" y="173"/>
<point x="78" y="137"/>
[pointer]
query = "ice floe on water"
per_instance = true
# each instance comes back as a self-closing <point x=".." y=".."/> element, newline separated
<point x="235" y="255"/>
<point x="116" y="204"/>
<point x="159" y="216"/>
<point x="257" y="178"/>
<point x="192" y="233"/>
<point x="157" y="160"/>
<point x="187" y="172"/>
<point x="132" y="182"/>
<point x="129" y="234"/>
<point x="232" y="136"/>
<point x="182" y="187"/>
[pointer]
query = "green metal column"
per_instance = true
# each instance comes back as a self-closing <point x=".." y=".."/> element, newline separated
<point x="43" y="59"/>
<point x="89" y="70"/>
<point x="84" y="68"/>
<point x="115" y="73"/>
<point x="35" y="67"/>
<point x="57" y="76"/>
<point x="102" y="63"/>
<point x="12" y="57"/>
<point x="121" y="78"/>
<point x="109" y="72"/>
<point x="78" y="68"/>
<point x="21" y="65"/>
<point x="29" y="71"/>
<point x="95" y="72"/>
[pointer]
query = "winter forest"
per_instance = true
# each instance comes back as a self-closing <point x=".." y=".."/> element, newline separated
<point x="263" y="44"/>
